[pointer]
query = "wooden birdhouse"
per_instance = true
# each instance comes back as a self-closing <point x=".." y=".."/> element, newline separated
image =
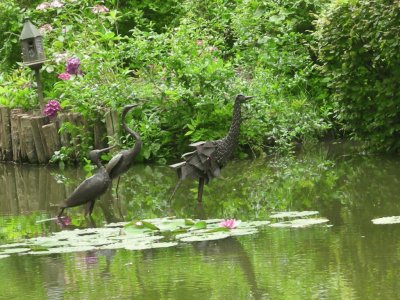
<point x="32" y="45"/>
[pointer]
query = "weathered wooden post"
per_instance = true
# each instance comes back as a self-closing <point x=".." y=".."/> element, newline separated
<point x="15" y="134"/>
<point x="112" y="125"/>
<point x="5" y="134"/>
<point x="40" y="144"/>
<point x="52" y="139"/>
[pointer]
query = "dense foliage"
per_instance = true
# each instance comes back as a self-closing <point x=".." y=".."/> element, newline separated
<point x="314" y="67"/>
<point x="358" y="44"/>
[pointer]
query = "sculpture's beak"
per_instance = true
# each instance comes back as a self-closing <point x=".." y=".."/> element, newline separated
<point x="248" y="97"/>
<point x="131" y="106"/>
<point x="106" y="149"/>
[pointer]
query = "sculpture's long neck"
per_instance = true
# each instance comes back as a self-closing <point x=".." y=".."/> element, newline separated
<point x="138" y="141"/>
<point x="234" y="131"/>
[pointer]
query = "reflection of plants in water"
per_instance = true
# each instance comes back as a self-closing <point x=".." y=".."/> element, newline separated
<point x="246" y="189"/>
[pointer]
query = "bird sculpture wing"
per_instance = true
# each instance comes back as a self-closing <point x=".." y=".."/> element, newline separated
<point x="88" y="190"/>
<point x="200" y="163"/>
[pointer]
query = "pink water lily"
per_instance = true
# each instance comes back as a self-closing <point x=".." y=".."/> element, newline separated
<point x="229" y="223"/>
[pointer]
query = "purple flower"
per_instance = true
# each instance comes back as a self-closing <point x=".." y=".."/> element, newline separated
<point x="98" y="8"/>
<point x="64" y="76"/>
<point x="72" y="66"/>
<point x="229" y="223"/>
<point x="51" y="108"/>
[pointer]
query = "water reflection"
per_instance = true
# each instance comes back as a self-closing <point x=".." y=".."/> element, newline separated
<point x="353" y="259"/>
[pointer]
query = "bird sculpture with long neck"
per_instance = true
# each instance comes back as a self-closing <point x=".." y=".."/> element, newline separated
<point x="121" y="162"/>
<point x="206" y="161"/>
<point x="91" y="188"/>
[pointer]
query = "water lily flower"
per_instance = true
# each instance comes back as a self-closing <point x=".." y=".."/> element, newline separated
<point x="51" y="108"/>
<point x="98" y="8"/>
<point x="64" y="76"/>
<point x="138" y="223"/>
<point x="43" y="6"/>
<point x="229" y="223"/>
<point x="56" y="4"/>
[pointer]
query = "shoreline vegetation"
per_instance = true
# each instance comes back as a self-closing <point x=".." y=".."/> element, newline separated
<point x="317" y="70"/>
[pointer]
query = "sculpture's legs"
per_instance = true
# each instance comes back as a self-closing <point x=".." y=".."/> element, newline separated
<point x="61" y="212"/>
<point x="89" y="208"/>
<point x="200" y="190"/>
<point x="118" y="203"/>
<point x="174" y="191"/>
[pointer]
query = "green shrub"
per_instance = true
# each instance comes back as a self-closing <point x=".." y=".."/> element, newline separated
<point x="358" y="46"/>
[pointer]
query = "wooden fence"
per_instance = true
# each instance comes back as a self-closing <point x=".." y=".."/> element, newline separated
<point x="33" y="138"/>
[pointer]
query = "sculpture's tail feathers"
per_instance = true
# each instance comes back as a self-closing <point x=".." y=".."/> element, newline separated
<point x="199" y="163"/>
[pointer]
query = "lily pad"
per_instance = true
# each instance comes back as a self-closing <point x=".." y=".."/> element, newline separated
<point x="205" y="237"/>
<point x="15" y="250"/>
<point x="386" y="220"/>
<point x="14" y="245"/>
<point x="300" y="223"/>
<point x="293" y="214"/>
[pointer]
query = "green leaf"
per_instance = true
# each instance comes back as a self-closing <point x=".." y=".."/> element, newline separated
<point x="200" y="225"/>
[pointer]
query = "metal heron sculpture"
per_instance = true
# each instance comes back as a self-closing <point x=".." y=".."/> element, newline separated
<point x="121" y="162"/>
<point x="91" y="188"/>
<point x="206" y="161"/>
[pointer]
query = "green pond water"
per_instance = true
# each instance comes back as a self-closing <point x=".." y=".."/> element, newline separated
<point x="347" y="258"/>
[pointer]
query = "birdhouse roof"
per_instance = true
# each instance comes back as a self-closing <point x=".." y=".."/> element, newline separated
<point x="29" y="31"/>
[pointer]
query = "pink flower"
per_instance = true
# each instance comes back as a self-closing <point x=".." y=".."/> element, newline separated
<point x="43" y="6"/>
<point x="64" y="76"/>
<point x="63" y="221"/>
<point x="45" y="28"/>
<point x="56" y="4"/>
<point x="229" y="223"/>
<point x="51" y="108"/>
<point x="98" y="8"/>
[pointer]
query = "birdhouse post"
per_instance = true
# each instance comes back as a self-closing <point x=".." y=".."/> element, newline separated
<point x="33" y="53"/>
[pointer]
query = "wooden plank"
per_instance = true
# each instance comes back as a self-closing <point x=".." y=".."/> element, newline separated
<point x="40" y="144"/>
<point x="52" y="138"/>
<point x="15" y="135"/>
<point x="99" y="135"/>
<point x="6" y="133"/>
<point x="28" y="140"/>
<point x="112" y="125"/>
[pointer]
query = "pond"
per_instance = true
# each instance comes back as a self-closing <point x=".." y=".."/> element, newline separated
<point x="349" y="257"/>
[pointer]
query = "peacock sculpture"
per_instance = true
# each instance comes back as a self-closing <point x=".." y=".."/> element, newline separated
<point x="208" y="158"/>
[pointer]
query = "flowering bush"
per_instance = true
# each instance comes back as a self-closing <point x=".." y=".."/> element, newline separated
<point x="64" y="76"/>
<point x="51" y="108"/>
<point x="72" y="66"/>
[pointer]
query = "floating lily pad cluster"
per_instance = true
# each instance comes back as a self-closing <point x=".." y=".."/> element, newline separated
<point x="148" y="234"/>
